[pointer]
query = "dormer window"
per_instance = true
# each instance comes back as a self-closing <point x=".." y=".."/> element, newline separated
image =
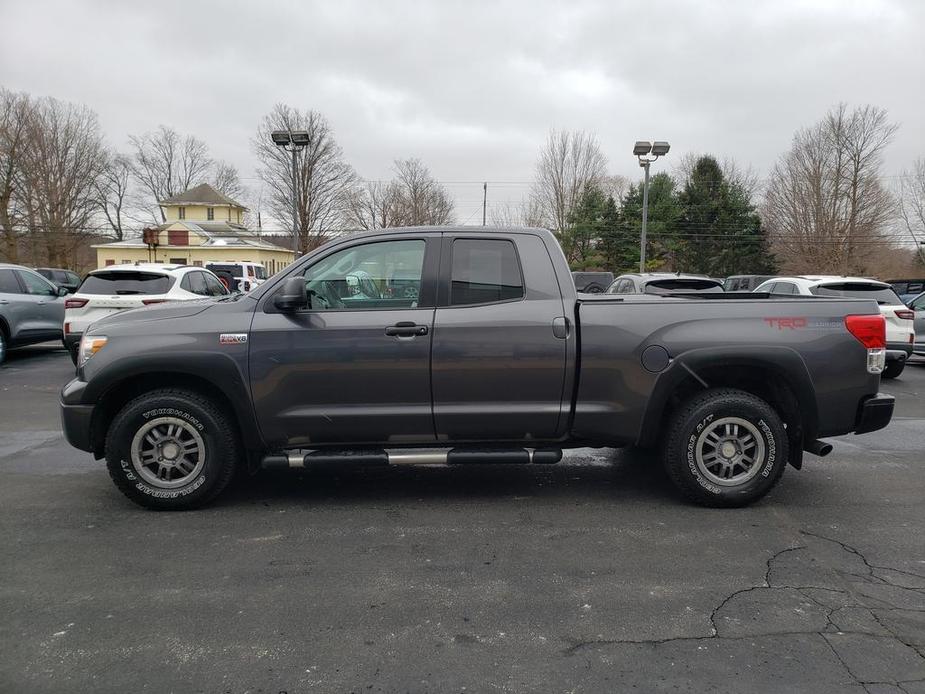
<point x="181" y="212"/>
<point x="210" y="213"/>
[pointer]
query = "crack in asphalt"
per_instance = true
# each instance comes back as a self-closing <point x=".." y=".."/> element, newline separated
<point x="729" y="619"/>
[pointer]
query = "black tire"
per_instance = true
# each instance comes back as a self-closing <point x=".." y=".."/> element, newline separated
<point x="688" y="437"/>
<point x="893" y="368"/>
<point x="4" y="344"/>
<point x="73" y="350"/>
<point x="196" y="413"/>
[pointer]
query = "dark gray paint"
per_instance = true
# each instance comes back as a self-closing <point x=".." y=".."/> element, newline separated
<point x="481" y="374"/>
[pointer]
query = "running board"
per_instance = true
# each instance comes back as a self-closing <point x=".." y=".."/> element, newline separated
<point x="412" y="456"/>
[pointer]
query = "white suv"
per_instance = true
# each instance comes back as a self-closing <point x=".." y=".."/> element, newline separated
<point x="120" y="287"/>
<point x="239" y="277"/>
<point x="900" y="333"/>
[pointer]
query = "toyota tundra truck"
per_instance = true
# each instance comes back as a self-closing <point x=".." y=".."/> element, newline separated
<point x="495" y="359"/>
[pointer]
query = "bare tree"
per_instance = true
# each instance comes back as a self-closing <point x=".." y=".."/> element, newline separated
<point x="569" y="161"/>
<point x="412" y="198"/>
<point x="64" y="158"/>
<point x="111" y="192"/>
<point x="166" y="164"/>
<point x="825" y="201"/>
<point x="16" y="112"/>
<point x="911" y="196"/>
<point x="421" y="200"/>
<point x="226" y="180"/>
<point x="324" y="180"/>
<point x="374" y="205"/>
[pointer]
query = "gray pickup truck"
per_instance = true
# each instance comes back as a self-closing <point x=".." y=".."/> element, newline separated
<point x="495" y="359"/>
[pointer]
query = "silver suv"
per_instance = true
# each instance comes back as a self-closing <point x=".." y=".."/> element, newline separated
<point x="31" y="308"/>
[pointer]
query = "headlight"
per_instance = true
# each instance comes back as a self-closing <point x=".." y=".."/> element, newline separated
<point x="90" y="345"/>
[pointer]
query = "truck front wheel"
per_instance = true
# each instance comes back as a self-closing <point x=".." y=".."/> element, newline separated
<point x="171" y="450"/>
<point x="725" y="448"/>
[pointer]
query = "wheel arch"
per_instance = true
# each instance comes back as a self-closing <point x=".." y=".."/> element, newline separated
<point x="777" y="375"/>
<point x="224" y="392"/>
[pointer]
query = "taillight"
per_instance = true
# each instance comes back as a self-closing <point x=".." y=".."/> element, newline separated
<point x="148" y="302"/>
<point x="869" y="330"/>
<point x="67" y="328"/>
<point x="75" y="303"/>
<point x="905" y="314"/>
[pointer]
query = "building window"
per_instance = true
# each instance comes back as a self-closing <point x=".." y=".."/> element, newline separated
<point x="210" y="213"/>
<point x="110" y="262"/>
<point x="197" y="263"/>
<point x="126" y="262"/>
<point x="178" y="261"/>
<point x="182" y="213"/>
<point x="178" y="237"/>
<point x="229" y="214"/>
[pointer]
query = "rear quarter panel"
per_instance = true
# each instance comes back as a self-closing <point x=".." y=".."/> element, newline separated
<point x="804" y="340"/>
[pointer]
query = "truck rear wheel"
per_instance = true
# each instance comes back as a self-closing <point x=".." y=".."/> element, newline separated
<point x="725" y="448"/>
<point x="171" y="450"/>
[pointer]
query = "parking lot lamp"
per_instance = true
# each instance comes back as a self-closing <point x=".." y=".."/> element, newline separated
<point x="293" y="141"/>
<point x="642" y="149"/>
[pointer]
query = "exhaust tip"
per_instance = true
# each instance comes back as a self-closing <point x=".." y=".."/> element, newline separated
<point x="817" y="447"/>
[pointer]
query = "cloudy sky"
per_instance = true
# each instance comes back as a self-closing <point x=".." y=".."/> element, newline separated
<point x="472" y="87"/>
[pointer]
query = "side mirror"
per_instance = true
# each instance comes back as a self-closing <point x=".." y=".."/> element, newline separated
<point x="293" y="296"/>
<point x="63" y="291"/>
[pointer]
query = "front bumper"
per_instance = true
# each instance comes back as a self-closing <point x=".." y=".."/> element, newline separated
<point x="874" y="413"/>
<point x="76" y="418"/>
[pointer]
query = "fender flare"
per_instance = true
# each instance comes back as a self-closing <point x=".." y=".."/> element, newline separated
<point x="219" y="370"/>
<point x="785" y="362"/>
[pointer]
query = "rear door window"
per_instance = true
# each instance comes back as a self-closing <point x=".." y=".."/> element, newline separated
<point x="126" y="282"/>
<point x="485" y="271"/>
<point x="194" y="282"/>
<point x="883" y="295"/>
<point x="213" y="286"/>
<point x="8" y="282"/>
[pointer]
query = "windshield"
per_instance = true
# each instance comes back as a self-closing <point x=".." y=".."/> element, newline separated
<point x="673" y="285"/>
<point x="859" y="290"/>
<point x="125" y="282"/>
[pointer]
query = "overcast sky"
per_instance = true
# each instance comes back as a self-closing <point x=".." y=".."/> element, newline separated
<point x="472" y="88"/>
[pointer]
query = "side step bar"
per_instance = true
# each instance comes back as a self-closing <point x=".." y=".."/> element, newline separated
<point x="411" y="456"/>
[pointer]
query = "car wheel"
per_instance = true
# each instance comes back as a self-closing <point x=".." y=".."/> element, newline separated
<point x="725" y="448"/>
<point x="893" y="368"/>
<point x="171" y="450"/>
<point x="594" y="289"/>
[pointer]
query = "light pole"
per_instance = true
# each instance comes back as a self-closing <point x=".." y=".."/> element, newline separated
<point x="642" y="149"/>
<point x="293" y="141"/>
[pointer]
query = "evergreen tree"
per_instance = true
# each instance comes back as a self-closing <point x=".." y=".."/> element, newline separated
<point x="719" y="232"/>
<point x="620" y="245"/>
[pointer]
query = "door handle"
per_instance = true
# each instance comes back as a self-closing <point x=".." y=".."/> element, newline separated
<point x="406" y="329"/>
<point x="41" y="303"/>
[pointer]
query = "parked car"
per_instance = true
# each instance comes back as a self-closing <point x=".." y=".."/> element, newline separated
<point x="497" y="360"/>
<point x="744" y="283"/>
<point x="239" y="277"/>
<point x="120" y="287"/>
<point x="592" y="282"/>
<point x="663" y="283"/>
<point x="900" y="333"/>
<point x="31" y="308"/>
<point x="60" y="277"/>
<point x="917" y="306"/>
<point x="907" y="289"/>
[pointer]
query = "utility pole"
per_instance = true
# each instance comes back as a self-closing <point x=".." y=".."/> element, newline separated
<point x="484" y="201"/>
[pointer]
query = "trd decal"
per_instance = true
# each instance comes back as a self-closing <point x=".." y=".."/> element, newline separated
<point x="794" y="323"/>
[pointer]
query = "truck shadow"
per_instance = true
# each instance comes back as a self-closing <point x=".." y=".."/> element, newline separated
<point x="608" y="474"/>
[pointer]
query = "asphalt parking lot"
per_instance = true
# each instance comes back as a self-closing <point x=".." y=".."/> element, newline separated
<point x="590" y="576"/>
